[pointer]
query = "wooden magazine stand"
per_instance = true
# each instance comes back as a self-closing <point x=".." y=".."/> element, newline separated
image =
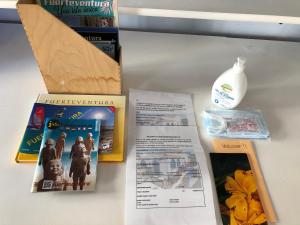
<point x="69" y="64"/>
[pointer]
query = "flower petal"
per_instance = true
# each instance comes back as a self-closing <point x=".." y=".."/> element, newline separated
<point x="239" y="206"/>
<point x="232" y="186"/>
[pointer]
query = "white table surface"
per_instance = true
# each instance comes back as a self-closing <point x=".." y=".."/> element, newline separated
<point x="162" y="62"/>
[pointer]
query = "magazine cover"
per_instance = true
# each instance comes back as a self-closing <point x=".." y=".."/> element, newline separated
<point x="104" y="8"/>
<point x="236" y="186"/>
<point x="106" y="39"/>
<point x="34" y="131"/>
<point x="68" y="156"/>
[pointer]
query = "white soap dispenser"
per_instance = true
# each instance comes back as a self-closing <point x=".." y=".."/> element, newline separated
<point x="231" y="86"/>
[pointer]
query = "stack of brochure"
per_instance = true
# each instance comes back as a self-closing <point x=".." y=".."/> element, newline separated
<point x="95" y="20"/>
<point x="67" y="134"/>
<point x="109" y="109"/>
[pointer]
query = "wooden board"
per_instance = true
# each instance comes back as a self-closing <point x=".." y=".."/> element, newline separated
<point x="68" y="63"/>
<point x="244" y="146"/>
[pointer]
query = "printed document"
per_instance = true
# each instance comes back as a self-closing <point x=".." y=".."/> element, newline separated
<point x="167" y="179"/>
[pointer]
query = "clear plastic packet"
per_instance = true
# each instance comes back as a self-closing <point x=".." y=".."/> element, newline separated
<point x="248" y="124"/>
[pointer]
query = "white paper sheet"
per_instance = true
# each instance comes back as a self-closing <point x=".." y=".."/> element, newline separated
<point x="167" y="179"/>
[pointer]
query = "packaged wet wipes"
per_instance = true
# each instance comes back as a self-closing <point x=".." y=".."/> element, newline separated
<point x="235" y="124"/>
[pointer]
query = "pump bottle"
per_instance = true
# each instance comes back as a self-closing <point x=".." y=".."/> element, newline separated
<point x="231" y="86"/>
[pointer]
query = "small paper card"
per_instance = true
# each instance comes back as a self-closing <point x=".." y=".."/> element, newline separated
<point x="245" y="146"/>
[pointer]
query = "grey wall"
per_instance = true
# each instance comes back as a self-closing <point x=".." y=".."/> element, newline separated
<point x="212" y="27"/>
<point x="9" y="15"/>
<point x="255" y="30"/>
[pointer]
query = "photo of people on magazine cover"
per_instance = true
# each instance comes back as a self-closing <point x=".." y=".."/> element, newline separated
<point x="68" y="156"/>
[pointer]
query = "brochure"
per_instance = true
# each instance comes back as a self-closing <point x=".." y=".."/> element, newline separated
<point x="68" y="156"/>
<point x="106" y="39"/>
<point x="33" y="134"/>
<point x="103" y="8"/>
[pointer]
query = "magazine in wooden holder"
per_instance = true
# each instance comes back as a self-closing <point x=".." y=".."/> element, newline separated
<point x="68" y="63"/>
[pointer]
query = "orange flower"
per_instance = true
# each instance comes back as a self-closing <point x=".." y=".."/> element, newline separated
<point x="244" y="204"/>
<point x="244" y="182"/>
